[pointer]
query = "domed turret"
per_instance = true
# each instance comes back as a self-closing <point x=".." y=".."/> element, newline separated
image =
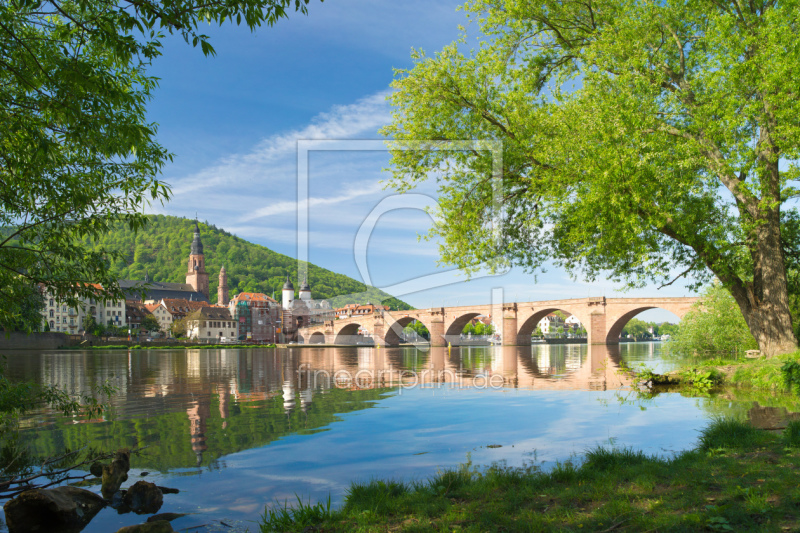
<point x="305" y="291"/>
<point x="288" y="294"/>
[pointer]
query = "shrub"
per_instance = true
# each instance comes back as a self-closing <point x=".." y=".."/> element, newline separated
<point x="714" y="326"/>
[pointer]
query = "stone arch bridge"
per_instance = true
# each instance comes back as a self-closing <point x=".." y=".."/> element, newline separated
<point x="603" y="318"/>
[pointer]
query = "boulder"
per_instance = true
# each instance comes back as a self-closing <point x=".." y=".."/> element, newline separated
<point x="159" y="526"/>
<point x="62" y="509"/>
<point x="144" y="498"/>
<point x="115" y="474"/>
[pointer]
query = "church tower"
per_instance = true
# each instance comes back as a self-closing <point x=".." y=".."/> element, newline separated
<point x="222" y="290"/>
<point x="197" y="276"/>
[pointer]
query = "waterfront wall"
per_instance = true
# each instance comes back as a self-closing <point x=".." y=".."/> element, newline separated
<point x="50" y="340"/>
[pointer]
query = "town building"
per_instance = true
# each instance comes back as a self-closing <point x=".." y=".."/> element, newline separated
<point x="211" y="323"/>
<point x="257" y="317"/>
<point x="350" y="310"/>
<point x="170" y="310"/>
<point x="550" y="324"/>
<point x="62" y="317"/>
<point x="135" y="311"/>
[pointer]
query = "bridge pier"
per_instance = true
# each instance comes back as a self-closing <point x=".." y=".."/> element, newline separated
<point x="510" y="326"/>
<point x="436" y="330"/>
<point x="596" y="329"/>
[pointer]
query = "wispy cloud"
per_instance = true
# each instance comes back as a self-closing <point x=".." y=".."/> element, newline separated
<point x="289" y="206"/>
<point x="273" y="157"/>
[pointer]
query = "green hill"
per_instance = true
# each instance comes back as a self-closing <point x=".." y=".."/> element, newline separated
<point x="161" y="250"/>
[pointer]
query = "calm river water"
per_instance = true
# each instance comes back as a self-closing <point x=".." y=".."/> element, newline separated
<point x="237" y="429"/>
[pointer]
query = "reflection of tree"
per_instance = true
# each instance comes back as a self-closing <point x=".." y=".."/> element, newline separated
<point x="174" y="443"/>
<point x="747" y="404"/>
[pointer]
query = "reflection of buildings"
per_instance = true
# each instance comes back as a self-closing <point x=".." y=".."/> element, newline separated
<point x="198" y="414"/>
<point x="279" y="391"/>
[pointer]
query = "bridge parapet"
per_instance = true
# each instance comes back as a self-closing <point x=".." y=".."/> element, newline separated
<point x="603" y="318"/>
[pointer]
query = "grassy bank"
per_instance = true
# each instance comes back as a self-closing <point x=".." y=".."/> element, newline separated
<point x="775" y="374"/>
<point x="738" y="479"/>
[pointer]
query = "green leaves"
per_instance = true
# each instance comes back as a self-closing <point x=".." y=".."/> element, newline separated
<point x="643" y="142"/>
<point x="77" y="153"/>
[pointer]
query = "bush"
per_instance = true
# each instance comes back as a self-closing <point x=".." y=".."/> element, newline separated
<point x="714" y="326"/>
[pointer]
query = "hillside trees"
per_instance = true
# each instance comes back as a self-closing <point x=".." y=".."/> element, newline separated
<point x="651" y="141"/>
<point x="250" y="267"/>
<point x="77" y="151"/>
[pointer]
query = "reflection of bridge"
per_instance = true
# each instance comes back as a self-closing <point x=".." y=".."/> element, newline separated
<point x="603" y="318"/>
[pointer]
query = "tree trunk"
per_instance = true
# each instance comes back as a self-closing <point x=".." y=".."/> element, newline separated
<point x="764" y="302"/>
<point x="771" y="325"/>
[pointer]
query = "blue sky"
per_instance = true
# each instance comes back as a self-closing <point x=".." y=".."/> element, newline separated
<point x="234" y="120"/>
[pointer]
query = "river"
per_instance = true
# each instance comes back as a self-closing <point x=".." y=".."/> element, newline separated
<point x="237" y="429"/>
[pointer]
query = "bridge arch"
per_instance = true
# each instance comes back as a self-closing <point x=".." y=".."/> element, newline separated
<point x="453" y="332"/>
<point x="317" y="338"/>
<point x="348" y="334"/>
<point x="615" y="329"/>
<point x="392" y="336"/>
<point x="528" y="326"/>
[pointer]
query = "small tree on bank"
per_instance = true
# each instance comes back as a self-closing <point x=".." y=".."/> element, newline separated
<point x="150" y="324"/>
<point x="638" y="138"/>
<point x="713" y="327"/>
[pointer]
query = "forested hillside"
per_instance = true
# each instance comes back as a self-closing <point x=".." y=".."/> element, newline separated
<point x="161" y="250"/>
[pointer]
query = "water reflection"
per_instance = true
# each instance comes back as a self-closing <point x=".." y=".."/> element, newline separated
<point x="272" y="423"/>
<point x="195" y="406"/>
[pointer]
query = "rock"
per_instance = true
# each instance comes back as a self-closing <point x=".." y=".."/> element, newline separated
<point x="169" y="517"/>
<point x="115" y="474"/>
<point x="96" y="470"/>
<point x="167" y="490"/>
<point x="143" y="473"/>
<point x="64" y="509"/>
<point x="144" y="498"/>
<point x="159" y="526"/>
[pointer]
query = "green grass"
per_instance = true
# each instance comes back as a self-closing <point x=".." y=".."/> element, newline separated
<point x="757" y="374"/>
<point x="737" y="479"/>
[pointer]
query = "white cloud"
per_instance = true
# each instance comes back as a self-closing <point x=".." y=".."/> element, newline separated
<point x="291" y="206"/>
<point x="274" y="157"/>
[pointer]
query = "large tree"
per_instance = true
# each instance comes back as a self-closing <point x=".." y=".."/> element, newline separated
<point x="77" y="152"/>
<point x="642" y="140"/>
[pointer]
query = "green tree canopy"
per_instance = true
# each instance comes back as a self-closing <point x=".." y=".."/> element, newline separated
<point x="150" y="323"/>
<point x="714" y="326"/>
<point x="646" y="140"/>
<point x="77" y="151"/>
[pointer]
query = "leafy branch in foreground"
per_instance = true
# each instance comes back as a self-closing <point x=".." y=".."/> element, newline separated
<point x="645" y="140"/>
<point x="77" y="152"/>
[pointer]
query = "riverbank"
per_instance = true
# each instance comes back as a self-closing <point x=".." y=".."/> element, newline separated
<point x="738" y="478"/>
<point x="780" y="373"/>
<point x="191" y="346"/>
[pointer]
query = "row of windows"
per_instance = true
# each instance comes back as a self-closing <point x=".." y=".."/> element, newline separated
<point x="212" y="324"/>
<point x="91" y="302"/>
<point x="210" y="334"/>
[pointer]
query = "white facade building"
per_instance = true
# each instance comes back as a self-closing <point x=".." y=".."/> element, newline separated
<point x="63" y="318"/>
